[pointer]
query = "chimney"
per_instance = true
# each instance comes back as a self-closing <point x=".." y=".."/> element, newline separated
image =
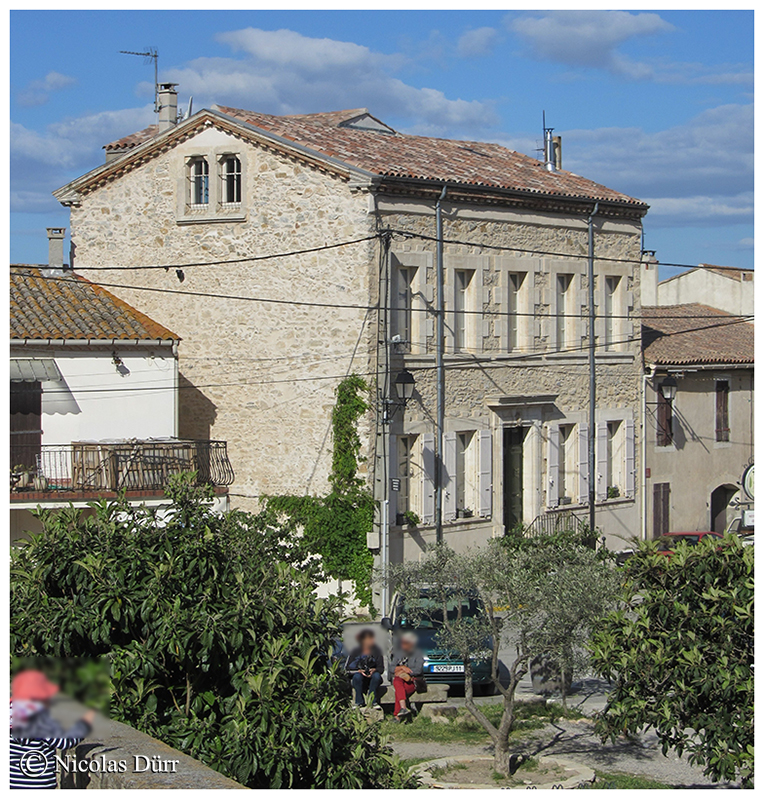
<point x="56" y="247"/>
<point x="167" y="99"/>
<point x="549" y="150"/>
<point x="557" y="149"/>
<point x="649" y="279"/>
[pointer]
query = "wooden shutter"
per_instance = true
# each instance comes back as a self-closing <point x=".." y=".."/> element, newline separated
<point x="601" y="453"/>
<point x="428" y="478"/>
<point x="393" y="478"/>
<point x="450" y="478"/>
<point x="629" y="459"/>
<point x="660" y="509"/>
<point x="663" y="421"/>
<point x="722" y="432"/>
<point x="553" y="460"/>
<point x="484" y="473"/>
<point x="583" y="452"/>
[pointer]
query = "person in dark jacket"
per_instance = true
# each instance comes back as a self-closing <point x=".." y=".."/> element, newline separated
<point x="365" y="665"/>
<point x="404" y="668"/>
<point x="35" y="735"/>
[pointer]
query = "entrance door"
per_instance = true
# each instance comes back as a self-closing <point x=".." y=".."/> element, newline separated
<point x="718" y="507"/>
<point x="660" y="509"/>
<point x="512" y="455"/>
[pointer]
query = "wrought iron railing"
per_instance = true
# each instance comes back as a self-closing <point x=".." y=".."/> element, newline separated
<point x="553" y="522"/>
<point x="112" y="466"/>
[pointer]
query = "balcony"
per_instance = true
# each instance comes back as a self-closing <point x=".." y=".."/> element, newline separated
<point x="140" y="468"/>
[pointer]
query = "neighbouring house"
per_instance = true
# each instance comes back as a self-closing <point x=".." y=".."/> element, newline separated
<point x="699" y="411"/>
<point x="266" y="339"/>
<point x="731" y="289"/>
<point x="94" y="397"/>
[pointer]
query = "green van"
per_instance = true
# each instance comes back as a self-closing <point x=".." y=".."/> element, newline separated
<point x="426" y="619"/>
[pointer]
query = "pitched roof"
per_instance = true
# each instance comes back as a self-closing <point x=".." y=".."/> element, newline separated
<point x="695" y="334"/>
<point x="360" y="140"/>
<point x="734" y="273"/>
<point x="74" y="308"/>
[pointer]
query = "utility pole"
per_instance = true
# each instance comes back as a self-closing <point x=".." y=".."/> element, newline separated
<point x="440" y="392"/>
<point x="591" y="353"/>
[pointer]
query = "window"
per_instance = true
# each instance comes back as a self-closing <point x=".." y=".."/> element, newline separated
<point x="231" y="180"/>
<point x="614" y="460"/>
<point x="199" y="179"/>
<point x="612" y="287"/>
<point x="514" y="305"/>
<point x="722" y="429"/>
<point x="663" y="421"/>
<point x="462" y="283"/>
<point x="403" y="304"/>
<point x="563" y="284"/>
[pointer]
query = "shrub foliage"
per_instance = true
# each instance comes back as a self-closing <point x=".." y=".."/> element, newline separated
<point x="217" y="642"/>
<point x="681" y="654"/>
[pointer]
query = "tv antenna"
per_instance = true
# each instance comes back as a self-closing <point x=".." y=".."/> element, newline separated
<point x="151" y="54"/>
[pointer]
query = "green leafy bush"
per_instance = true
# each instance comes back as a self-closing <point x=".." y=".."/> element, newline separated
<point x="681" y="654"/>
<point x="217" y="642"/>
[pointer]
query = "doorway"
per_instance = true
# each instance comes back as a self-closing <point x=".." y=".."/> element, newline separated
<point x="512" y="475"/>
<point x="718" y="507"/>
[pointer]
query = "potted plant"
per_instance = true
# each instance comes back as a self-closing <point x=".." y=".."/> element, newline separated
<point x="612" y="492"/>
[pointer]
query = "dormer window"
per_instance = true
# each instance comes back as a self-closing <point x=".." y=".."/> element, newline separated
<point x="199" y="179"/>
<point x="231" y="180"/>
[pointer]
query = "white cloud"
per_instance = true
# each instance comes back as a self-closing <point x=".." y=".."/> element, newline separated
<point x="37" y="93"/>
<point x="41" y="162"/>
<point x="701" y="171"/>
<point x="746" y="243"/>
<point x="591" y="39"/>
<point x="284" y="72"/>
<point x="478" y="42"/>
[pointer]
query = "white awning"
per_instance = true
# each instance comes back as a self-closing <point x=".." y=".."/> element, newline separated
<point x="34" y="369"/>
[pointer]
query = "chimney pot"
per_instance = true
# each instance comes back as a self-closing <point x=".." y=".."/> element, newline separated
<point x="56" y="247"/>
<point x="549" y="150"/>
<point x="167" y="97"/>
<point x="558" y="151"/>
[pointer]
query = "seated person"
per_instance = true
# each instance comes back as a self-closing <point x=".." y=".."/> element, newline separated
<point x="404" y="669"/>
<point x="365" y="665"/>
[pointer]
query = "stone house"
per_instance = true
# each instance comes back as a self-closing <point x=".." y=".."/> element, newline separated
<point x="267" y="338"/>
<point x="93" y="398"/>
<point x="700" y="433"/>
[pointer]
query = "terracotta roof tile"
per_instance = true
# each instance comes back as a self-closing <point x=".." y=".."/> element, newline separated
<point x="695" y="334"/>
<point x="73" y="308"/>
<point x="396" y="155"/>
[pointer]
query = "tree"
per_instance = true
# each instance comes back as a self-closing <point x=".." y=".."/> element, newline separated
<point x="335" y="526"/>
<point x="528" y="598"/>
<point x="681" y="652"/>
<point x="217" y="642"/>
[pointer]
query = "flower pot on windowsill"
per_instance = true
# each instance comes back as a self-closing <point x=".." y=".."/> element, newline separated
<point x="565" y="501"/>
<point x="464" y="513"/>
<point x="612" y="493"/>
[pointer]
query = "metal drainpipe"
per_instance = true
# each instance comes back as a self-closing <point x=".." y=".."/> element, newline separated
<point x="591" y="349"/>
<point x="643" y="450"/>
<point x="440" y="392"/>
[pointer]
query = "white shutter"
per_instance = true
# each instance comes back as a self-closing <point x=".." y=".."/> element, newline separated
<point x="428" y="478"/>
<point x="629" y="459"/>
<point x="484" y="473"/>
<point x="393" y="459"/>
<point x="450" y="482"/>
<point x="583" y="452"/>
<point x="601" y="453"/>
<point x="553" y="456"/>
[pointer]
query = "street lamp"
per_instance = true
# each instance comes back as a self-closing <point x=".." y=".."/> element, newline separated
<point x="668" y="388"/>
<point x="404" y="386"/>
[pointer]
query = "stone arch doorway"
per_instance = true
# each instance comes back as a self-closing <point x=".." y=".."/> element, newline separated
<point x="718" y="506"/>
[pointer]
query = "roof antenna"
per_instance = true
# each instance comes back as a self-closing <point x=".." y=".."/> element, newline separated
<point x="151" y="54"/>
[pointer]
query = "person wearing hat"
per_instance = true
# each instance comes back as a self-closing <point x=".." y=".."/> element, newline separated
<point x="35" y="735"/>
<point x="405" y="672"/>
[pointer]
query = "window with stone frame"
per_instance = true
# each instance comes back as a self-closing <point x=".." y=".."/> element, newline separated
<point x="199" y="182"/>
<point x="230" y="180"/>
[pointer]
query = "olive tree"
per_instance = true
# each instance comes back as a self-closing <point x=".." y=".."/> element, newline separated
<point x="529" y="601"/>
<point x="680" y="653"/>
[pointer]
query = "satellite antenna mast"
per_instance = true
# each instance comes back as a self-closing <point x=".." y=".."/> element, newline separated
<point x="151" y="54"/>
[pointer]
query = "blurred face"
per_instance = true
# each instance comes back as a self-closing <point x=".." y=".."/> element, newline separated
<point x="407" y="646"/>
<point x="367" y="642"/>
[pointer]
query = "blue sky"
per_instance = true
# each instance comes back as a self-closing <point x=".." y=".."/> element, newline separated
<point x="658" y="105"/>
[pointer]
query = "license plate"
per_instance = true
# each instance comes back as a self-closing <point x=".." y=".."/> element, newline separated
<point x="448" y="668"/>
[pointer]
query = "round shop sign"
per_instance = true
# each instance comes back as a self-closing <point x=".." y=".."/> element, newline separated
<point x="747" y="481"/>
